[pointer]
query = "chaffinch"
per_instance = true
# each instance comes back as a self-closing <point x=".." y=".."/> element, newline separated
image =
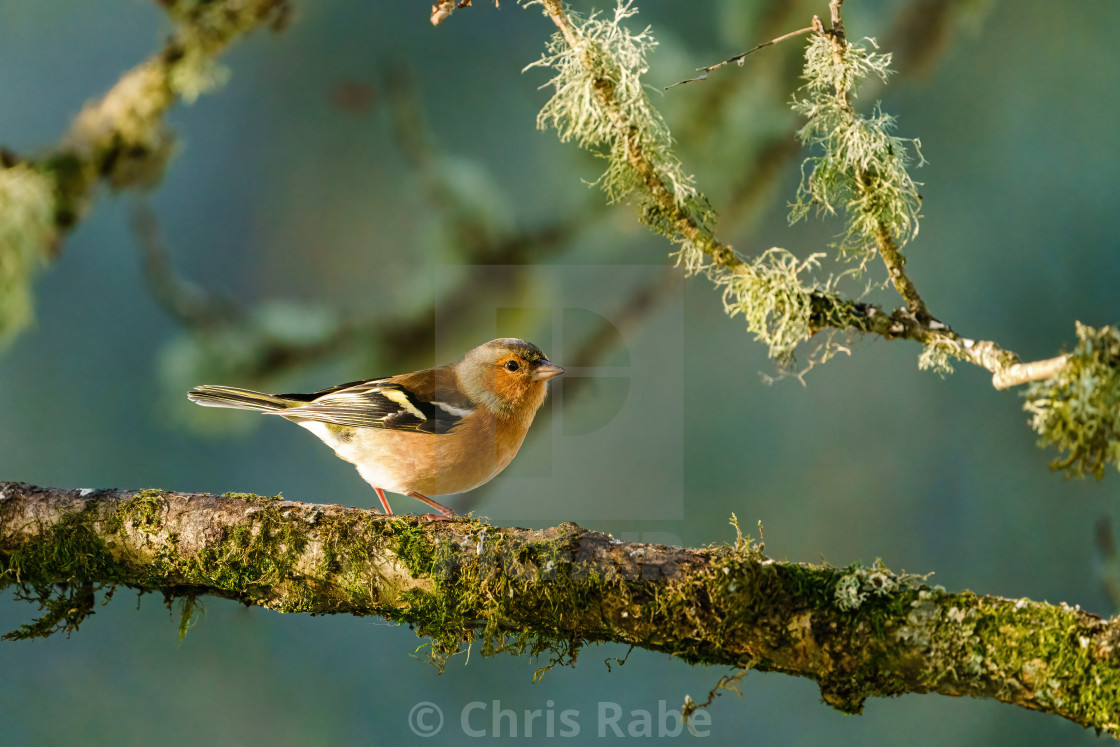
<point x="443" y="430"/>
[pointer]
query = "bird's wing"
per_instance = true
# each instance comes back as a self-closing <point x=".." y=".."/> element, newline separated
<point x="425" y="402"/>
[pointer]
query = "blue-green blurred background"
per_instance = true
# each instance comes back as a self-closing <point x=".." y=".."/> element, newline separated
<point x="291" y="186"/>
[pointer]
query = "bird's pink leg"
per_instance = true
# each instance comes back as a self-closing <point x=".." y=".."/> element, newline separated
<point x="384" y="501"/>
<point x="444" y="511"/>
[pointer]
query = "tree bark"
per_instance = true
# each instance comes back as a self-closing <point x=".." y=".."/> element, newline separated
<point x="858" y="631"/>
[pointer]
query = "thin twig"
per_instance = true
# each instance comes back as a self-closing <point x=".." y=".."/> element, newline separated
<point x="740" y="58"/>
<point x="837" y="21"/>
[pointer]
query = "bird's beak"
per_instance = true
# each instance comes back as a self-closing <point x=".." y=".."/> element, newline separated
<point x="546" y="371"/>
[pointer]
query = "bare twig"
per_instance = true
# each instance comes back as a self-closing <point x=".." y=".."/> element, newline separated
<point x="837" y="21"/>
<point x="442" y="9"/>
<point x="740" y="58"/>
<point x="1023" y="373"/>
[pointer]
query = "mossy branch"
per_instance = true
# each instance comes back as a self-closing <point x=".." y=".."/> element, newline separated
<point x="859" y="632"/>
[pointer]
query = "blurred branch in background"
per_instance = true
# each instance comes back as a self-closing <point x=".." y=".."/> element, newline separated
<point x="257" y="345"/>
<point x="120" y="140"/>
<point x="859" y="632"/>
<point x="1108" y="561"/>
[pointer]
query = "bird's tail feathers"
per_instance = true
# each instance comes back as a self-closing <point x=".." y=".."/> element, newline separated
<point x="239" y="399"/>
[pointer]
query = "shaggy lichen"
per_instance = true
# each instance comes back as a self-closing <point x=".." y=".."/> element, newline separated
<point x="601" y="102"/>
<point x="780" y="309"/>
<point x="1078" y="410"/>
<point x="937" y="358"/>
<point x="862" y="167"/>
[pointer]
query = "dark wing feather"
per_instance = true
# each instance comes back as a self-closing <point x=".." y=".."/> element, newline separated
<point x="402" y="403"/>
<point x="315" y="395"/>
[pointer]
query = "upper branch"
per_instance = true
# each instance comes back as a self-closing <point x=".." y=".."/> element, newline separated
<point x="767" y="290"/>
<point x="859" y="632"/>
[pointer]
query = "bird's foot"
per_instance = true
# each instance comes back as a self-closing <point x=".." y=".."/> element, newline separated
<point x="441" y="517"/>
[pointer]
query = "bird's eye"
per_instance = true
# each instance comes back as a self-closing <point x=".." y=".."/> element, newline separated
<point x="512" y="365"/>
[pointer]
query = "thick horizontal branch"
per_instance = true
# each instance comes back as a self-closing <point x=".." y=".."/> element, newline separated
<point x="859" y="632"/>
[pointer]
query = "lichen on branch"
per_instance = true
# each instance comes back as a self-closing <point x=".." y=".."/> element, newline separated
<point x="27" y="230"/>
<point x="861" y="168"/>
<point x="600" y="101"/>
<point x="858" y="166"/>
<point x="780" y="308"/>
<point x="1077" y="409"/>
<point x="859" y="632"/>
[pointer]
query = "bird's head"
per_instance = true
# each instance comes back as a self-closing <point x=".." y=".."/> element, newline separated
<point x="508" y="375"/>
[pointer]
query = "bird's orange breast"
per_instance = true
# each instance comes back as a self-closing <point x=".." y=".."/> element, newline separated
<point x="435" y="464"/>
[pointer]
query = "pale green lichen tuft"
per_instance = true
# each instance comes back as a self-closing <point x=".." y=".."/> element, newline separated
<point x="781" y="309"/>
<point x="600" y="101"/>
<point x="769" y="294"/>
<point x="937" y="358"/>
<point x="862" y="167"/>
<point x="858" y="584"/>
<point x="1078" y="410"/>
<point x="27" y="206"/>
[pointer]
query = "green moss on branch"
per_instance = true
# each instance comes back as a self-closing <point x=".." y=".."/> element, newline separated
<point x="859" y="632"/>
